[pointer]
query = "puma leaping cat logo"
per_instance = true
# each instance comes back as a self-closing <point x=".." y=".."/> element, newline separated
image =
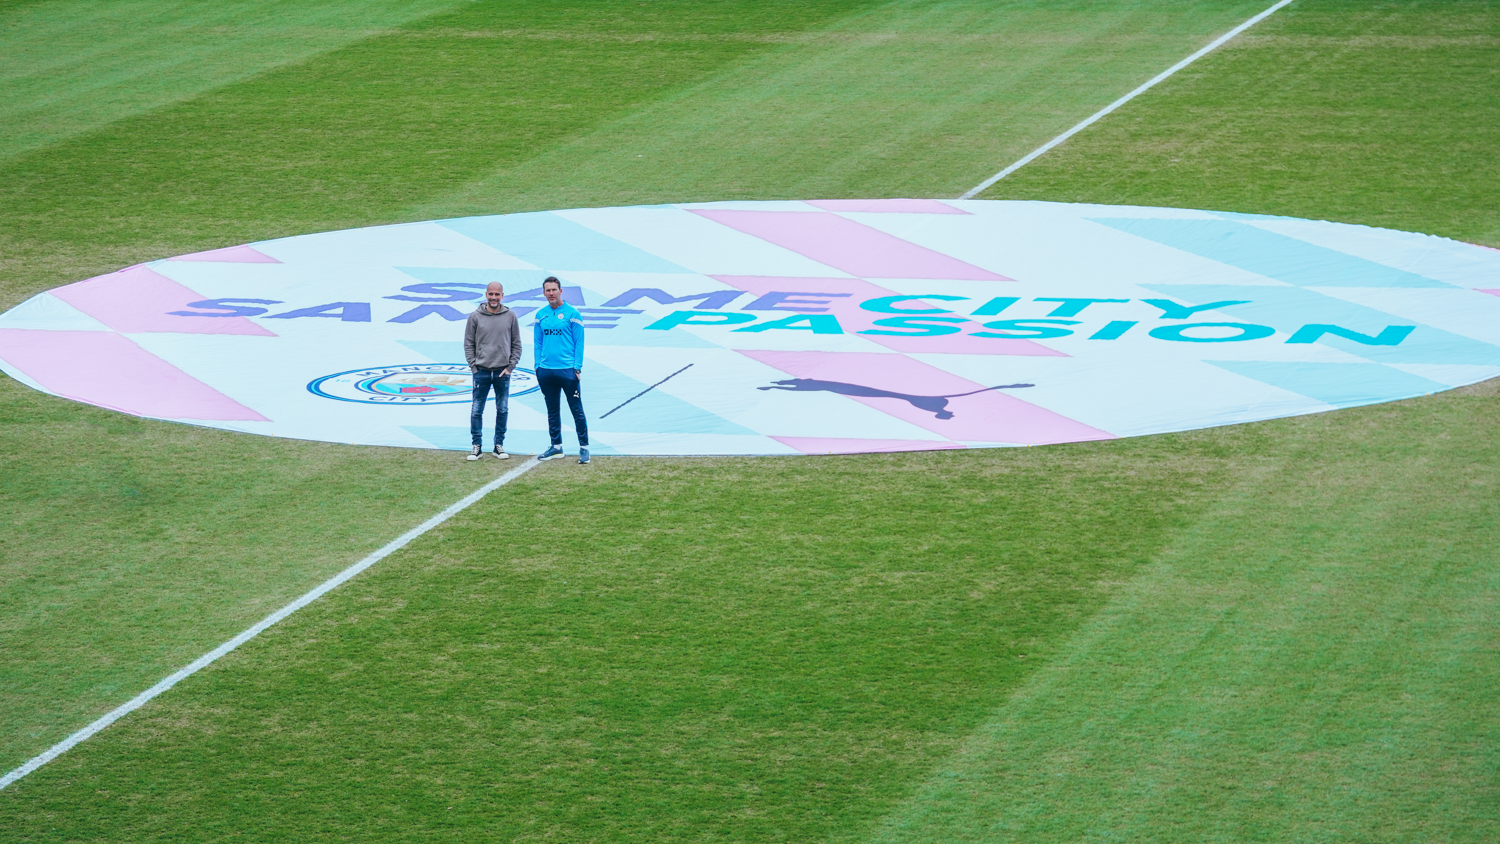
<point x="936" y="405"/>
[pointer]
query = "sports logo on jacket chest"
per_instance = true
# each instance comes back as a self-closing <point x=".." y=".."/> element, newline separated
<point x="555" y="324"/>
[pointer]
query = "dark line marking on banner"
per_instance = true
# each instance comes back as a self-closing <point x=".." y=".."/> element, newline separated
<point x="650" y="388"/>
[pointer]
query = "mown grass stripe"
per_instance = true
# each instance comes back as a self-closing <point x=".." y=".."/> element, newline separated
<point x="1374" y="113"/>
<point x="1101" y="113"/>
<point x="1329" y="675"/>
<point x="910" y="99"/>
<point x="182" y="537"/>
<point x="348" y="722"/>
<point x="650" y="650"/>
<point x="255" y="630"/>
<point x="184" y="543"/>
<point x="69" y="68"/>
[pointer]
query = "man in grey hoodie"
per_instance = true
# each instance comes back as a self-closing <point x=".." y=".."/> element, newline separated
<point x="492" y="345"/>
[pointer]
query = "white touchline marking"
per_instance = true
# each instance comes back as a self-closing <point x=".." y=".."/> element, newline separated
<point x="1039" y="151"/>
<point x="141" y="699"/>
<point x="400" y="542"/>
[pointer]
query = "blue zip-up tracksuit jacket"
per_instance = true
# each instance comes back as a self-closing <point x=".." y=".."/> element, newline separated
<point x="558" y="337"/>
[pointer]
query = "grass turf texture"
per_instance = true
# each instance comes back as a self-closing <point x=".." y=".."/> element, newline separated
<point x="71" y="66"/>
<point x="1313" y="660"/>
<point x="131" y="547"/>
<point x="428" y="117"/>
<point x="1377" y="113"/>
<point x="150" y="186"/>
<point x="512" y="106"/>
<point x="1306" y="652"/>
<point x="649" y="650"/>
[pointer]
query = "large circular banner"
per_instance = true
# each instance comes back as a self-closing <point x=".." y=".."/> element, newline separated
<point x="785" y="327"/>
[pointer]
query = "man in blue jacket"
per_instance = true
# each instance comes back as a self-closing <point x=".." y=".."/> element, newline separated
<point x="559" y="365"/>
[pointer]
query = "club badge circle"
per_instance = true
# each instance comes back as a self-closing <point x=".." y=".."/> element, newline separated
<point x="796" y="327"/>
<point x="411" y="384"/>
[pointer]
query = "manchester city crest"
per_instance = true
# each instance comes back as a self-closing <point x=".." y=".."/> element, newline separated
<point x="412" y="384"/>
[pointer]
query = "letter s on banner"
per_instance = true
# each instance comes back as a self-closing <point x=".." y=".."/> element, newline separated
<point x="229" y="306"/>
<point x="1013" y="328"/>
<point x="923" y="326"/>
<point x="444" y="292"/>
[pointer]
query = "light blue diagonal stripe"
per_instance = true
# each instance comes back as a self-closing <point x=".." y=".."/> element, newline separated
<point x="629" y="332"/>
<point x="1269" y="254"/>
<point x="512" y="279"/>
<point x="517" y="283"/>
<point x="557" y="244"/>
<point x="437" y="351"/>
<point x="1338" y="384"/>
<point x="1289" y="308"/>
<point x="656" y="412"/>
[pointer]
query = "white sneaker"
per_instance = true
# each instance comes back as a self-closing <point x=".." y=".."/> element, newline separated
<point x="474" y="452"/>
<point x="500" y="454"/>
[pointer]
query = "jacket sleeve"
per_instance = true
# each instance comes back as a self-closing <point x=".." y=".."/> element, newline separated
<point x="536" y="342"/>
<point x="469" y="351"/>
<point x="576" y="323"/>
<point x="515" y="341"/>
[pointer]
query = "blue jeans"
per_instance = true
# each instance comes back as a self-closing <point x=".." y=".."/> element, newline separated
<point x="484" y="381"/>
<point x="553" y="381"/>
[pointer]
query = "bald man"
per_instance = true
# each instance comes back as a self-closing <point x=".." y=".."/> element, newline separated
<point x="492" y="345"/>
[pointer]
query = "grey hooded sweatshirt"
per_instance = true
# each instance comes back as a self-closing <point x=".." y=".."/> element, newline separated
<point x="492" y="340"/>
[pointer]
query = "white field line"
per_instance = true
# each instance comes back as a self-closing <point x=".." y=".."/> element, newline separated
<point x="400" y="542"/>
<point x="1041" y="150"/>
<point x="204" y="661"/>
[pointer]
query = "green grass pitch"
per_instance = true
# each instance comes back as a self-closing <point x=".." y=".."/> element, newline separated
<point x="1276" y="632"/>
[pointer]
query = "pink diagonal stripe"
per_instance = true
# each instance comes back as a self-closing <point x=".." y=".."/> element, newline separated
<point x="230" y="255"/>
<point x="845" y="245"/>
<point x="991" y="416"/>
<point x="887" y="206"/>
<point x="138" y="300"/>
<point x="853" y="318"/>
<point x="1491" y="292"/>
<point x="105" y="369"/>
